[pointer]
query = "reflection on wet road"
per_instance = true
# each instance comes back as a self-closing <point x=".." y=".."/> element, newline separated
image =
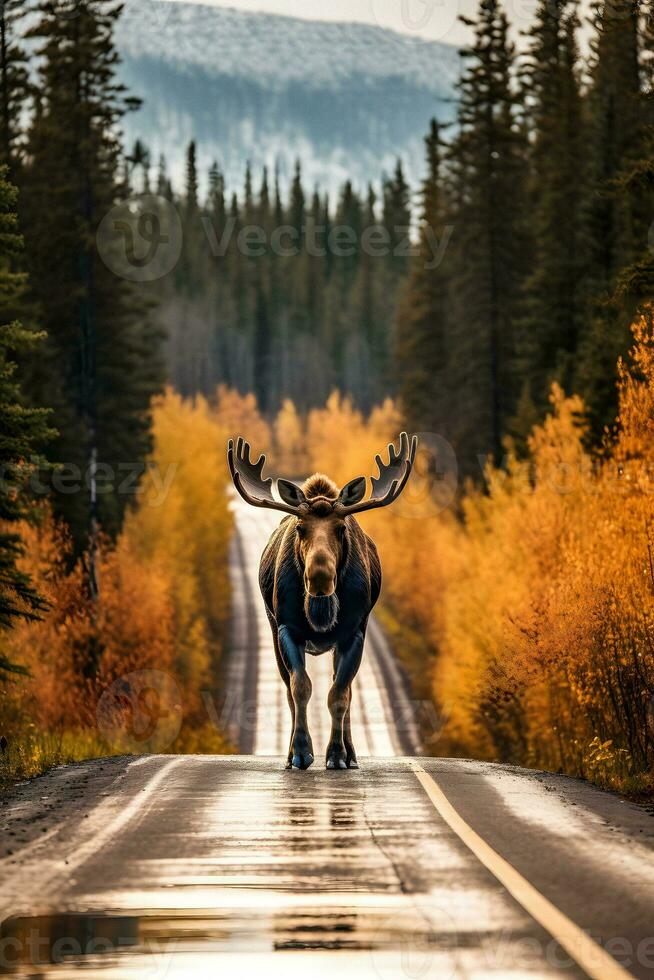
<point x="233" y="859"/>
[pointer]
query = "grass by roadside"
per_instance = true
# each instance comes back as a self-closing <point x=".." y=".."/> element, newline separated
<point x="33" y="754"/>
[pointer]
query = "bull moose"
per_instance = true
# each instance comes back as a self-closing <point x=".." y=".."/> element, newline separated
<point x="320" y="577"/>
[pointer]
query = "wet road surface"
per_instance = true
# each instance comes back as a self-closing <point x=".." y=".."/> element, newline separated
<point x="192" y="866"/>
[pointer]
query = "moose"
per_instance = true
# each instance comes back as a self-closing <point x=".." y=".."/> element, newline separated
<point x="320" y="577"/>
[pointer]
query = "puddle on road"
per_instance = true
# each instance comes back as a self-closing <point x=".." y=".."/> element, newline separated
<point x="154" y="945"/>
<point x="40" y="940"/>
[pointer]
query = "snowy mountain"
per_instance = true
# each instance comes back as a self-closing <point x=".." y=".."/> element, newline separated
<point x="344" y="98"/>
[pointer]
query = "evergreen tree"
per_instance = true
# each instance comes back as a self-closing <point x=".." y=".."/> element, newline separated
<point x="101" y="364"/>
<point x="397" y="219"/>
<point x="488" y="164"/>
<point x="553" y="314"/>
<point x="421" y="344"/>
<point x="615" y="221"/>
<point x="14" y="83"/>
<point x="636" y="281"/>
<point x="248" y="196"/>
<point x="262" y="347"/>
<point x="139" y="159"/>
<point x="191" y="196"/>
<point x="164" y="188"/>
<point x="23" y="430"/>
<point x="296" y="209"/>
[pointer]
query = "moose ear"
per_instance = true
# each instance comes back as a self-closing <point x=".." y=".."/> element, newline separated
<point x="353" y="492"/>
<point x="290" y="493"/>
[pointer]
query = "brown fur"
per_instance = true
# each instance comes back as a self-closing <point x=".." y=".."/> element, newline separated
<point x="320" y="485"/>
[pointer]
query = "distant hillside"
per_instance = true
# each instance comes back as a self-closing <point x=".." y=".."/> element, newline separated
<point x="345" y="98"/>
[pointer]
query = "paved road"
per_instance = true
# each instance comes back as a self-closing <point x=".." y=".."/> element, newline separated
<point x="194" y="867"/>
<point x="410" y="868"/>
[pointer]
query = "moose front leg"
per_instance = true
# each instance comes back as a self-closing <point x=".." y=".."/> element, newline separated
<point x="301" y="750"/>
<point x="340" y="751"/>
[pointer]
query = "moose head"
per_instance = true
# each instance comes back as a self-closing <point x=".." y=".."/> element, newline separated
<point x="320" y="507"/>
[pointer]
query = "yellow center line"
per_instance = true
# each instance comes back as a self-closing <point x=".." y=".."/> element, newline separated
<point x="589" y="955"/>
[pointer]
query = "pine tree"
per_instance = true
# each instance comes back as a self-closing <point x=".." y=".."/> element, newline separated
<point x="615" y="221"/>
<point x="553" y="315"/>
<point x="101" y="364"/>
<point x="191" y="195"/>
<point x="397" y="219"/>
<point x="421" y="341"/>
<point x="297" y="205"/>
<point x="164" y="188"/>
<point x="23" y="430"/>
<point x="261" y="348"/>
<point x="488" y="164"/>
<point x="14" y="82"/>
<point x="139" y="159"/>
<point x="636" y="281"/>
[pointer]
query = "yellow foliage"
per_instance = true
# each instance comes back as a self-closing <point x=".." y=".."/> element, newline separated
<point x="529" y="614"/>
<point x="163" y="602"/>
<point x="290" y="455"/>
<point x="545" y="655"/>
<point x="240" y="416"/>
<point x="182" y="527"/>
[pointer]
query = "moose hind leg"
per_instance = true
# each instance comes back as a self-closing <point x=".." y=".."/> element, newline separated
<point x="301" y="749"/>
<point x="340" y="751"/>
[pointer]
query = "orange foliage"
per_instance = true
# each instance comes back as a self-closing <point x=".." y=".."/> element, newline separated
<point x="164" y="594"/>
<point x="240" y="416"/>
<point x="530" y="614"/>
<point x="527" y="615"/>
<point x="290" y="451"/>
<point x="183" y="526"/>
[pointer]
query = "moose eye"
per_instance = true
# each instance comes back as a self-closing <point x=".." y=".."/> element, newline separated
<point x="301" y="530"/>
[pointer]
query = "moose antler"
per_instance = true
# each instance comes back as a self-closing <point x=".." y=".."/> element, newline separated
<point x="392" y="478"/>
<point x="248" y="479"/>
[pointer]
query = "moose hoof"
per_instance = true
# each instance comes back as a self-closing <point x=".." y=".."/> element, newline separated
<point x="352" y="763"/>
<point x="301" y="760"/>
<point x="336" y="758"/>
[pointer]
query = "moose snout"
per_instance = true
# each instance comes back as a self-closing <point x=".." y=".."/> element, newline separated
<point x="320" y="578"/>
